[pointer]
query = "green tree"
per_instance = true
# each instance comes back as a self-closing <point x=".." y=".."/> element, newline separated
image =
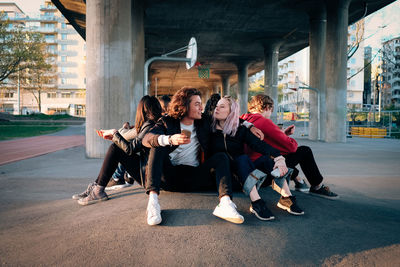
<point x="19" y="49"/>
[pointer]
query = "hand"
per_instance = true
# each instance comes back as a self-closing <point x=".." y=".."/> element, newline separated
<point x="126" y="125"/>
<point x="281" y="165"/>
<point x="257" y="132"/>
<point x="179" y="139"/>
<point x="106" y="134"/>
<point x="290" y="130"/>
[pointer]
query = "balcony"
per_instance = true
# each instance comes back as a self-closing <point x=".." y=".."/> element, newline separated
<point x="47" y="7"/>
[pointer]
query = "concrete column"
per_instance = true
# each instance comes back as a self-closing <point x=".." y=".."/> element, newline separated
<point x="225" y="84"/>
<point x="271" y="58"/>
<point x="317" y="42"/>
<point x="138" y="55"/>
<point x="111" y="54"/>
<point x="243" y="86"/>
<point x="336" y="70"/>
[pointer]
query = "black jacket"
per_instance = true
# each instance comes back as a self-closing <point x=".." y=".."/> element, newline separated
<point x="235" y="144"/>
<point x="170" y="126"/>
<point x="135" y="146"/>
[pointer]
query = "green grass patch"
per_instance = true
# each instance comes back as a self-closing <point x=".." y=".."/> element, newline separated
<point x="18" y="131"/>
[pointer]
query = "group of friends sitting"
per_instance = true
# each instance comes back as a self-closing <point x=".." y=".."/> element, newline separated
<point x="188" y="149"/>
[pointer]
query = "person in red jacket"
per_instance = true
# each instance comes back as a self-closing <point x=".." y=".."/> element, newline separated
<point x="260" y="108"/>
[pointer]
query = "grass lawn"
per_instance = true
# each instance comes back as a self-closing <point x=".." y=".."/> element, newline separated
<point x="10" y="131"/>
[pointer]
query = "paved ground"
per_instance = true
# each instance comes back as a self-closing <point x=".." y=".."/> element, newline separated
<point x="41" y="225"/>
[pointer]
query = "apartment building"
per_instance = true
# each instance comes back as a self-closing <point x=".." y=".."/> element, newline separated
<point x="66" y="93"/>
<point x="292" y="72"/>
<point x="390" y="85"/>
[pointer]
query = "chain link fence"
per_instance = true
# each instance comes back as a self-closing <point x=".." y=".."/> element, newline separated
<point x="368" y="124"/>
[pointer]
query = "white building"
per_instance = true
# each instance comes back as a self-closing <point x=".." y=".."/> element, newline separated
<point x="67" y="93"/>
<point x="292" y="70"/>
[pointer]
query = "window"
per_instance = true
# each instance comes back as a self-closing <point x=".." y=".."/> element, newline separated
<point x="49" y="38"/>
<point x="8" y="95"/>
<point x="63" y="69"/>
<point x="51" y="95"/>
<point x="353" y="61"/>
<point x="64" y="36"/>
<point x="63" y="81"/>
<point x="63" y="25"/>
<point x="63" y="47"/>
<point x="65" y="95"/>
<point x="80" y="95"/>
<point x="63" y="58"/>
<point x="353" y="83"/>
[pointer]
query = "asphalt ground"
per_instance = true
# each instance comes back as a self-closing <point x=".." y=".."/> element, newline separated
<point x="41" y="225"/>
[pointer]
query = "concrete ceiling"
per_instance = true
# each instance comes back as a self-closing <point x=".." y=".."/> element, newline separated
<point x="227" y="32"/>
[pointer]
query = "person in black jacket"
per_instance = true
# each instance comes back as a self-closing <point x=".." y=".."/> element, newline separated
<point x="230" y="137"/>
<point x="124" y="152"/>
<point x="177" y="143"/>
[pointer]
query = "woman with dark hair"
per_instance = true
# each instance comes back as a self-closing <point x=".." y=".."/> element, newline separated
<point x="124" y="152"/>
<point x="211" y="104"/>
<point x="230" y="137"/>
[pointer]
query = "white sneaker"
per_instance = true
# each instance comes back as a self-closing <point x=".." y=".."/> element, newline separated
<point x="227" y="211"/>
<point x="153" y="213"/>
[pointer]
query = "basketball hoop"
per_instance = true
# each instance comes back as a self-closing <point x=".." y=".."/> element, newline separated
<point x="204" y="71"/>
<point x="190" y="60"/>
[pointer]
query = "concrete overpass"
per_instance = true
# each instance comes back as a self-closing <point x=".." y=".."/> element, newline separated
<point x="235" y="39"/>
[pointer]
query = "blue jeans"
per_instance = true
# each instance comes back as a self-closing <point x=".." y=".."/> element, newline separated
<point x="119" y="172"/>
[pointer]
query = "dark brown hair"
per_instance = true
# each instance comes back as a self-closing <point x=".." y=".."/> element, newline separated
<point x="260" y="102"/>
<point x="149" y="108"/>
<point x="179" y="105"/>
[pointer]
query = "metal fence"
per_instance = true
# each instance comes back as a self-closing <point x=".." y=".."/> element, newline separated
<point x="368" y="124"/>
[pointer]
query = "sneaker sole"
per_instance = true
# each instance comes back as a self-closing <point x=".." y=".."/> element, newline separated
<point x="75" y="197"/>
<point x="154" y="223"/>
<point x="259" y="217"/>
<point x="116" y="187"/>
<point x="92" y="201"/>
<point x="232" y="220"/>
<point x="323" y="196"/>
<point x="288" y="209"/>
<point x="304" y="190"/>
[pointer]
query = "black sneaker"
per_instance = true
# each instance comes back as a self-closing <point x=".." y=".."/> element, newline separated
<point x="302" y="187"/>
<point x="259" y="208"/>
<point x="289" y="204"/>
<point x="324" y="191"/>
<point x="114" y="185"/>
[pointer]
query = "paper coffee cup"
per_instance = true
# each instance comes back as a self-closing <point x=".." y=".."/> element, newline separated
<point x="187" y="133"/>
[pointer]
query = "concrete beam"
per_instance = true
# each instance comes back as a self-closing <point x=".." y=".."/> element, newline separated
<point x="336" y="70"/>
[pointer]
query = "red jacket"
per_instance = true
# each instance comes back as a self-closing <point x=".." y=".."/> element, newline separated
<point x="272" y="135"/>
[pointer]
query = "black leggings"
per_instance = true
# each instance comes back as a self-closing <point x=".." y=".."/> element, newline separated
<point x="114" y="156"/>
<point x="305" y="158"/>
<point x="162" y="174"/>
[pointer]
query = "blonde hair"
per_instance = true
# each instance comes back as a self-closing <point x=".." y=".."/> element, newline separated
<point x="232" y="121"/>
<point x="259" y="103"/>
